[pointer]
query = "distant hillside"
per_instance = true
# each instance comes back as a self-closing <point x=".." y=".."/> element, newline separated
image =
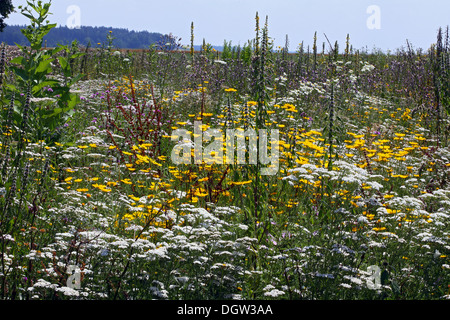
<point x="124" y="38"/>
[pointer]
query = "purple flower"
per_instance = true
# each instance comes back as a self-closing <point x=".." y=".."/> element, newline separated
<point x="285" y="234"/>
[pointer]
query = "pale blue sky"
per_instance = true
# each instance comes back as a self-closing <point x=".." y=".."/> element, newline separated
<point x="216" y="20"/>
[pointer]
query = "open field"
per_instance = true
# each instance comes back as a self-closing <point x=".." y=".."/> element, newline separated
<point x="352" y="202"/>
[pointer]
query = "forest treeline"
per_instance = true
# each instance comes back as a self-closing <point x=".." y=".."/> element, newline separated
<point x="86" y="35"/>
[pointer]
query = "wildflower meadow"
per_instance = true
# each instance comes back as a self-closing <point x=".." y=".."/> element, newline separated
<point x="252" y="173"/>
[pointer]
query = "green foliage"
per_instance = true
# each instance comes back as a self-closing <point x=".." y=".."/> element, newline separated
<point x="246" y="53"/>
<point x="33" y="70"/>
<point x="227" y="51"/>
<point x="6" y="8"/>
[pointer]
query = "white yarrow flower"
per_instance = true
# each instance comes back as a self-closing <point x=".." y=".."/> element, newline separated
<point x="274" y="293"/>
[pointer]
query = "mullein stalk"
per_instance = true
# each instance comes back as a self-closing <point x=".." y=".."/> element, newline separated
<point x="229" y="123"/>
<point x="446" y="50"/>
<point x="256" y="60"/>
<point x="2" y="65"/>
<point x="315" y="51"/>
<point x="262" y="94"/>
<point x="286" y="48"/>
<point x="10" y="112"/>
<point x="336" y="51"/>
<point x="323" y="52"/>
<point x="192" y="41"/>
<point x="330" y="128"/>
<point x="257" y="35"/>
<point x="437" y="83"/>
<point x="357" y="63"/>
<point x="24" y="181"/>
<point x="246" y="117"/>
<point x="308" y="53"/>
<point x="5" y="161"/>
<point x="9" y="197"/>
<point x="300" y="59"/>
<point x="6" y="137"/>
<point x="347" y="47"/>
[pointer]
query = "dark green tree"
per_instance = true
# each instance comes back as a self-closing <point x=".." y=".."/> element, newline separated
<point x="6" y="8"/>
